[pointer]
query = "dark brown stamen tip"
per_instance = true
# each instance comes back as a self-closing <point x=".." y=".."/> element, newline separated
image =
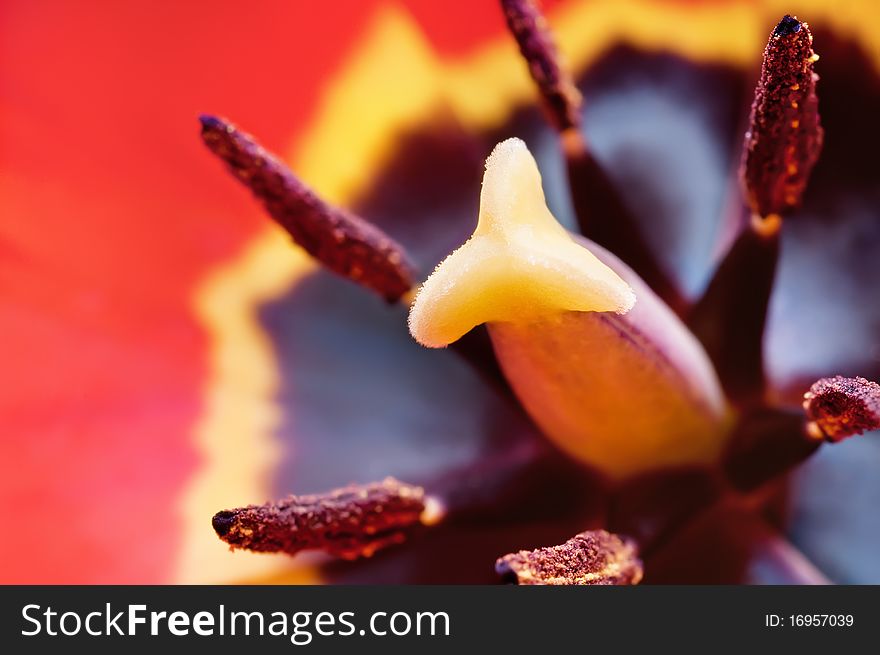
<point x="842" y="407"/>
<point x="788" y="25"/>
<point x="561" y="98"/>
<point x="595" y="557"/>
<point x="341" y="241"/>
<point x="785" y="135"/>
<point x="351" y="522"/>
<point x="223" y="522"/>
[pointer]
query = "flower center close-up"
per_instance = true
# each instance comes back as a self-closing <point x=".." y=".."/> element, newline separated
<point x="626" y="372"/>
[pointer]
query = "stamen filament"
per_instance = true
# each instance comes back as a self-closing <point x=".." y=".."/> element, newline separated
<point x="767" y="444"/>
<point x="603" y="217"/>
<point x="730" y="317"/>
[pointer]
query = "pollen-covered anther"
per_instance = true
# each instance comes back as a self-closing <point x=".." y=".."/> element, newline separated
<point x="594" y="557"/>
<point x="841" y="407"/>
<point x="781" y="146"/>
<point x="350" y="522"/>
<point x="343" y="242"/>
<point x="785" y="135"/>
<point x="559" y="95"/>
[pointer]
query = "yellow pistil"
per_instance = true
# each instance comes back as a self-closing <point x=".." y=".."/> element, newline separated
<point x="519" y="265"/>
<point x="606" y="370"/>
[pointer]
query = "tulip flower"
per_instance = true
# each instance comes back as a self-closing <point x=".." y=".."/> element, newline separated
<point x="651" y="336"/>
